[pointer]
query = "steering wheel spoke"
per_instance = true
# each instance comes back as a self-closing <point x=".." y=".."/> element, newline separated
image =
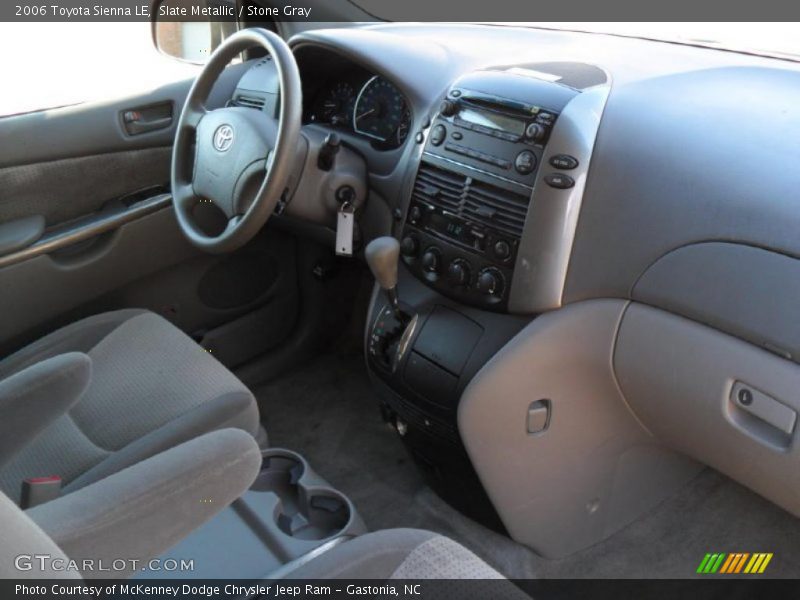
<point x="233" y="223"/>
<point x="192" y="115"/>
<point x="183" y="196"/>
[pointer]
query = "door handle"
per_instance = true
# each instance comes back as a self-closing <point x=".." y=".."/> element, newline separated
<point x="147" y="118"/>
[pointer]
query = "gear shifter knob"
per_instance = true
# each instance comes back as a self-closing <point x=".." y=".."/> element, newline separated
<point x="382" y="254"/>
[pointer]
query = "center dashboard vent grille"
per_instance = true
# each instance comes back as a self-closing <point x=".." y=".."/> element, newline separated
<point x="248" y="102"/>
<point x="471" y="199"/>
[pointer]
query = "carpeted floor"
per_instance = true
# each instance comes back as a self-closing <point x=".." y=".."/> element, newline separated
<point x="327" y="411"/>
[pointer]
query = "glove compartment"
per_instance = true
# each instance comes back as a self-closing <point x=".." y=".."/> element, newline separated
<point x="714" y="397"/>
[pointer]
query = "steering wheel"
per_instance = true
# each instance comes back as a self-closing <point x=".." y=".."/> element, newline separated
<point x="240" y="154"/>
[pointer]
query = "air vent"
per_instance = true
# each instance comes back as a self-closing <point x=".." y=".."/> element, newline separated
<point x="499" y="208"/>
<point x="249" y="102"/>
<point x="471" y="199"/>
<point x="441" y="188"/>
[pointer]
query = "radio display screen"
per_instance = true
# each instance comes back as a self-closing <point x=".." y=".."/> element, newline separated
<point x="492" y="120"/>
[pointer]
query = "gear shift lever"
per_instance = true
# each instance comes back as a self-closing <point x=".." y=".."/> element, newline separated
<point x="382" y="254"/>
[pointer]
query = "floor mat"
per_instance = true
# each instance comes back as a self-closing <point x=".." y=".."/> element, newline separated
<point x="327" y="411"/>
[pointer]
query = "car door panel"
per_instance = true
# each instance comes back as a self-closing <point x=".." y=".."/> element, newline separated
<point x="110" y="238"/>
<point x="68" y="188"/>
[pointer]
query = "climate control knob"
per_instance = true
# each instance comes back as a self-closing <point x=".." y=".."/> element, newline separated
<point x="490" y="282"/>
<point x="458" y="272"/>
<point x="409" y="246"/>
<point x="431" y="260"/>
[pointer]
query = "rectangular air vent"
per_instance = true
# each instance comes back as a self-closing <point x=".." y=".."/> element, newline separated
<point x="471" y="199"/>
<point x="249" y="102"/>
<point x="497" y="207"/>
<point x="441" y="188"/>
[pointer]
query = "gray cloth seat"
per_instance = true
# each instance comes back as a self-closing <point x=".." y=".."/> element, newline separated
<point x="411" y="554"/>
<point x="152" y="387"/>
<point x="397" y="554"/>
<point x="130" y="516"/>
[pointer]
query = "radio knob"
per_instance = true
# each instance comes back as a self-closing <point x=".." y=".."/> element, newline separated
<point x="431" y="260"/>
<point x="409" y="246"/>
<point x="534" y="132"/>
<point x="458" y="272"/>
<point x="448" y="108"/>
<point x="490" y="282"/>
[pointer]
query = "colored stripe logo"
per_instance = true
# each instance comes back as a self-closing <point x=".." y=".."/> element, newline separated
<point x="734" y="563"/>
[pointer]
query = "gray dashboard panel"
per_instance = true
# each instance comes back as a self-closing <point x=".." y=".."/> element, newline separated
<point x="749" y="292"/>
<point x="685" y="158"/>
<point x="594" y="468"/>
<point x="549" y="233"/>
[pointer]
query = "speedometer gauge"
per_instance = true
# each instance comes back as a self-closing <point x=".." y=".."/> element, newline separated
<point x="379" y="109"/>
<point x="337" y="105"/>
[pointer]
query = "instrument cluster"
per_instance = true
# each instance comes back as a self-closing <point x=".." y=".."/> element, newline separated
<point x="367" y="105"/>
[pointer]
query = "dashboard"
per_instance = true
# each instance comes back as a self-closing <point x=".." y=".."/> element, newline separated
<point x="574" y="210"/>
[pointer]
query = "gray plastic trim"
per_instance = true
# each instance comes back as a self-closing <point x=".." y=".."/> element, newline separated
<point x="540" y="272"/>
<point x="20" y="233"/>
<point x="292" y="566"/>
<point x="594" y="469"/>
<point x="748" y="292"/>
<point x="90" y="227"/>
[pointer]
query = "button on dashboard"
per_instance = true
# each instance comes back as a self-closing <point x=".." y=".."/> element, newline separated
<point x="559" y="181"/>
<point x="502" y="249"/>
<point x="525" y="162"/>
<point x="438" y="134"/>
<point x="563" y="161"/>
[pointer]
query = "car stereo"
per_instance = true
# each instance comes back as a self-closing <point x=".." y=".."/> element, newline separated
<point x="473" y="186"/>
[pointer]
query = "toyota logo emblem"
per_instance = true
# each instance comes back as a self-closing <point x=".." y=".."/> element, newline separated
<point x="223" y="138"/>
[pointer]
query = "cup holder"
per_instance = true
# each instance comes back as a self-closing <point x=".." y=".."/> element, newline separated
<point x="280" y="474"/>
<point x="320" y="515"/>
<point x="306" y="508"/>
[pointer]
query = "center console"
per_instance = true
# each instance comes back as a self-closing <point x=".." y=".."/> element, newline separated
<point x="473" y="188"/>
<point x="289" y="515"/>
<point x="491" y="211"/>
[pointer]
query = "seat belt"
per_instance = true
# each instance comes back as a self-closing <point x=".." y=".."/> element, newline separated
<point x="38" y="490"/>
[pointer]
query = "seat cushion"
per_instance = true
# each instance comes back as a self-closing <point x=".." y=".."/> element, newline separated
<point x="152" y="388"/>
<point x="409" y="555"/>
<point x="397" y="554"/>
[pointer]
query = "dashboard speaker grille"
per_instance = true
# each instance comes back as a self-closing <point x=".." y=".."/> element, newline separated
<point x="471" y="199"/>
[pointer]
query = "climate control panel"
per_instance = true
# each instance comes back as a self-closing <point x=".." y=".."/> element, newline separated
<point x="478" y="273"/>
